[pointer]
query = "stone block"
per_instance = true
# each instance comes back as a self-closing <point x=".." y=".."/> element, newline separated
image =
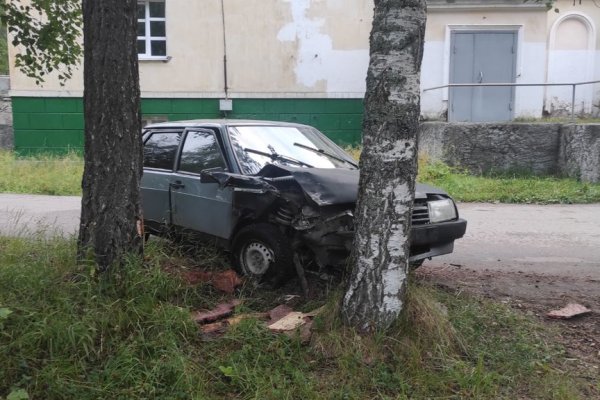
<point x="580" y="152"/>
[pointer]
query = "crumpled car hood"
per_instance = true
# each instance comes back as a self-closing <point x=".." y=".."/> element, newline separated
<point x="330" y="186"/>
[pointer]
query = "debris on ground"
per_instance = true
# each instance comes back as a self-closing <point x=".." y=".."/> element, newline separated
<point x="303" y="332"/>
<point x="289" y="322"/>
<point x="236" y="319"/>
<point x="292" y="324"/>
<point x="225" y="281"/>
<point x="284" y="320"/>
<point x="569" y="311"/>
<point x="281" y="319"/>
<point x="220" y="311"/>
<point x="279" y="312"/>
<point x="215" y="328"/>
<point x="219" y="327"/>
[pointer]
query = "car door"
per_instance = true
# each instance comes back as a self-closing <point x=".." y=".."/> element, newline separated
<point x="160" y="149"/>
<point x="201" y="206"/>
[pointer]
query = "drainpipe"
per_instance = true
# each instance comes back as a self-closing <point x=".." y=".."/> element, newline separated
<point x="225" y="104"/>
<point x="224" y="50"/>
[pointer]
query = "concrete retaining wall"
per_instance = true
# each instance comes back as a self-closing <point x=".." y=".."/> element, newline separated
<point x="6" y="137"/>
<point x="544" y="149"/>
<point x="580" y="152"/>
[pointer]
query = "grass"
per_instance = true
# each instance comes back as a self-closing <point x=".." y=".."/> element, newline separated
<point x="67" y="333"/>
<point x="507" y="188"/>
<point x="72" y="334"/>
<point x="62" y="176"/>
<point x="580" y="120"/>
<point x="53" y="175"/>
<point x="503" y="187"/>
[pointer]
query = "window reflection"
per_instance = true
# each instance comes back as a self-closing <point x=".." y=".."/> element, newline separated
<point x="200" y="151"/>
<point x="281" y="140"/>
<point x="160" y="149"/>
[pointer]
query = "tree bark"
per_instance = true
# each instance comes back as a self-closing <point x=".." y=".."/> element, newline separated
<point x="388" y="166"/>
<point x="110" y="206"/>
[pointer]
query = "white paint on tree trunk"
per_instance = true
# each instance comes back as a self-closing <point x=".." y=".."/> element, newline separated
<point x="317" y="60"/>
<point x="393" y="281"/>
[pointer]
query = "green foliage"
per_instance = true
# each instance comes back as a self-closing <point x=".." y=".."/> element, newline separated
<point x="4" y="313"/>
<point x="18" y="394"/>
<point x="3" y="51"/>
<point x="40" y="174"/>
<point x="354" y="152"/>
<point x="73" y="334"/>
<point x="47" y="33"/>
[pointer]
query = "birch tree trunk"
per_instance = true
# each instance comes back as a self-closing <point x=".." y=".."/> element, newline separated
<point x="110" y="207"/>
<point x="388" y="166"/>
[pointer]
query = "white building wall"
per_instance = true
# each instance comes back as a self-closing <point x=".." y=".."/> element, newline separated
<point x="529" y="22"/>
<point x="275" y="48"/>
<point x="573" y="56"/>
<point x="319" y="48"/>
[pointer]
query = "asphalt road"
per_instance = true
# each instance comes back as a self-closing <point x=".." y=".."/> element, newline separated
<point x="552" y="239"/>
<point x="26" y="215"/>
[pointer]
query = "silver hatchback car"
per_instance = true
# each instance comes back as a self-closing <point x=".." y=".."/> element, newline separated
<point x="273" y="194"/>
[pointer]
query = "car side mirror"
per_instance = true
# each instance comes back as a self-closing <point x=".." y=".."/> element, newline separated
<point x="215" y="175"/>
<point x="208" y="176"/>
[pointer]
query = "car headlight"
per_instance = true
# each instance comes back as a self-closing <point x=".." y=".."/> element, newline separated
<point x="441" y="210"/>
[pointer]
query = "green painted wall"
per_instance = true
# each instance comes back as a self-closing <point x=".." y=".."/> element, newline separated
<point x="44" y="124"/>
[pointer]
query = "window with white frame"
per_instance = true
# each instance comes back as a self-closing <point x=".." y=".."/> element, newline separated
<point x="152" y="35"/>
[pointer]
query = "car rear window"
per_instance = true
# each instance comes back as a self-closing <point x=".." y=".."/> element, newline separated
<point x="160" y="149"/>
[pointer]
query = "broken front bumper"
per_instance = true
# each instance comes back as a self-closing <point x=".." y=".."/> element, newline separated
<point x="435" y="239"/>
<point x="332" y="245"/>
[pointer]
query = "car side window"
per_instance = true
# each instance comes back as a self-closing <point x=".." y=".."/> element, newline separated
<point x="201" y="151"/>
<point x="160" y="150"/>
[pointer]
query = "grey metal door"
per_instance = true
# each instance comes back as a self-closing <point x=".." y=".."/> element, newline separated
<point x="202" y="207"/>
<point x="482" y="57"/>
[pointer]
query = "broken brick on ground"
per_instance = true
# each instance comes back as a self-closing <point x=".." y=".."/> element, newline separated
<point x="571" y="310"/>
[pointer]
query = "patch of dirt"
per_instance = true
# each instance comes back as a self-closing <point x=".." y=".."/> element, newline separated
<point x="535" y="295"/>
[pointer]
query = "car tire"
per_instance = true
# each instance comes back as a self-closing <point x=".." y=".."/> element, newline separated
<point x="263" y="253"/>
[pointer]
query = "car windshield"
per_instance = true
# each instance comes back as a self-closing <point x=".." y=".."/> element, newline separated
<point x="257" y="146"/>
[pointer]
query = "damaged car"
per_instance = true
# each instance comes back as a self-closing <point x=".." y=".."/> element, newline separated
<point x="278" y="196"/>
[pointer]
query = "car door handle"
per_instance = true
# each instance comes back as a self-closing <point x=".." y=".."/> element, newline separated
<point x="177" y="185"/>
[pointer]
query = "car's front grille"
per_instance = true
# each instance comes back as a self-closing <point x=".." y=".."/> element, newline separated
<point x="420" y="215"/>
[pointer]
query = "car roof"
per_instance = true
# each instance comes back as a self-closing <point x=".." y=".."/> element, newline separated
<point x="198" y="123"/>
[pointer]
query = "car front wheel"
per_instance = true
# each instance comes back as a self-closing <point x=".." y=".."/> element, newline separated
<point x="263" y="253"/>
